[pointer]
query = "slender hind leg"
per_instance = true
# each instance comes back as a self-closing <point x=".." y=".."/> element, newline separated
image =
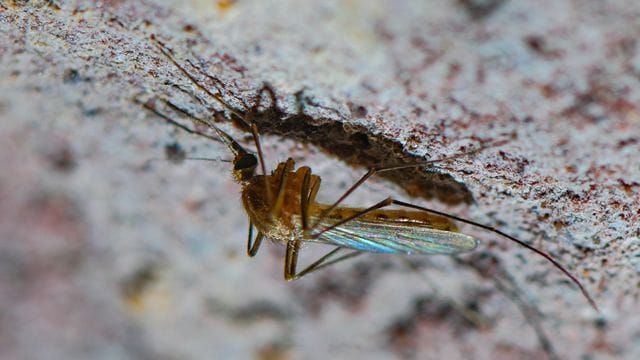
<point x="379" y="170"/>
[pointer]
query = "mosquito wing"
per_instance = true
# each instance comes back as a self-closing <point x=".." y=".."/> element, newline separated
<point x="397" y="238"/>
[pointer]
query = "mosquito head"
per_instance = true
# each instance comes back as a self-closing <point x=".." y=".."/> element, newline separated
<point x="244" y="166"/>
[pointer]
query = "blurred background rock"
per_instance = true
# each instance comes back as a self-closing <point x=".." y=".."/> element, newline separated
<point x="107" y="254"/>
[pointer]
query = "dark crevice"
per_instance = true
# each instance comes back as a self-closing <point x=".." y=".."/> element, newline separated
<point x="356" y="146"/>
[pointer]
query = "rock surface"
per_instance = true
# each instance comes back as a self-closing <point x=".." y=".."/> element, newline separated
<point x="109" y="251"/>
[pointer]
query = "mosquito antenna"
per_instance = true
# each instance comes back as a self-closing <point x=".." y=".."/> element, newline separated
<point x="190" y="159"/>
<point x="235" y="147"/>
<point x="378" y="170"/>
<point x="254" y="130"/>
<point x="505" y="235"/>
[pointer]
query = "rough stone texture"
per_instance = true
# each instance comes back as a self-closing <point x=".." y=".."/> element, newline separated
<point x="107" y="253"/>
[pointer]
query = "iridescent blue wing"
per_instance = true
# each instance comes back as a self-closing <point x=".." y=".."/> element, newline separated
<point x="396" y="238"/>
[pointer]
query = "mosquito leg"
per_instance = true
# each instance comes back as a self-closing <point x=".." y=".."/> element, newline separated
<point x="253" y="246"/>
<point x="325" y="261"/>
<point x="250" y="238"/>
<point x="304" y="199"/>
<point x="286" y="170"/>
<point x="254" y="131"/>
<point x="381" y="204"/>
<point x="344" y="196"/>
<point x="379" y="170"/>
<point x="315" y="186"/>
<point x="256" y="139"/>
<point x="291" y="260"/>
<point x="308" y="192"/>
<point x="253" y="250"/>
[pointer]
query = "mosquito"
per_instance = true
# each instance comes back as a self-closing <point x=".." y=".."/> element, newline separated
<point x="282" y="205"/>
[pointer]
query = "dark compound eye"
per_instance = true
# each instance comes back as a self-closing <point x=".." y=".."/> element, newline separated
<point x="247" y="161"/>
